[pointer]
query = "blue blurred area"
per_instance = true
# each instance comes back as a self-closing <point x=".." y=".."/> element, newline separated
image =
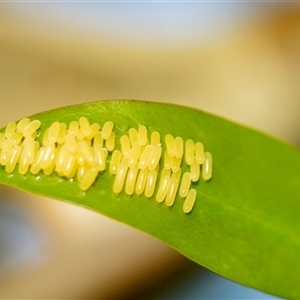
<point x="200" y="283"/>
<point x="21" y="241"/>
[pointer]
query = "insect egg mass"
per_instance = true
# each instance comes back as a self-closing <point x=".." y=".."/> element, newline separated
<point x="144" y="162"/>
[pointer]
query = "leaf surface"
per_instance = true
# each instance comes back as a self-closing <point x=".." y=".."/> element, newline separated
<point x="245" y="224"/>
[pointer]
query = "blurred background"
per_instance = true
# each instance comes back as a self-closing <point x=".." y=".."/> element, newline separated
<point x="240" y="60"/>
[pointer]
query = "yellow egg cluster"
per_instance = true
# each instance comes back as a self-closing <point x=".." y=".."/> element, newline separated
<point x="80" y="150"/>
<point x="138" y="163"/>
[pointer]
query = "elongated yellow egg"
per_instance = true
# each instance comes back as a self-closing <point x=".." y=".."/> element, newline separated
<point x="125" y="145"/>
<point x="171" y="195"/>
<point x="189" y="201"/>
<point x="62" y="133"/>
<point x="88" y="178"/>
<point x="195" y="171"/>
<point x="22" y="124"/>
<point x="10" y="129"/>
<point x="199" y="153"/>
<point x="131" y="180"/>
<point x="31" y="128"/>
<point x="98" y="141"/>
<point x="155" y="138"/>
<point x="110" y="142"/>
<point x="120" y="177"/>
<point x="145" y="157"/>
<point x="115" y="161"/>
<point x="150" y="185"/>
<point x="154" y="157"/>
<point x="13" y="159"/>
<point x="107" y="129"/>
<point x="5" y="153"/>
<point x="163" y="189"/>
<point x="134" y="154"/>
<point x="143" y="135"/>
<point x="176" y="163"/>
<point x="36" y="166"/>
<point x="85" y="126"/>
<point x="168" y="161"/>
<point x="170" y="144"/>
<point x="189" y="151"/>
<point x="141" y="181"/>
<point x="133" y="136"/>
<point x="185" y="184"/>
<point x="53" y="132"/>
<point x="207" y="167"/>
<point x="178" y="147"/>
<point x="73" y="128"/>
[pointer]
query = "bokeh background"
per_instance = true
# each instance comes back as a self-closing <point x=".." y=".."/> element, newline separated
<point x="240" y="60"/>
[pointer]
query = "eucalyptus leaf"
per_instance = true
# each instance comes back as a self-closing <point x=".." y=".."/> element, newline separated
<point x="245" y="224"/>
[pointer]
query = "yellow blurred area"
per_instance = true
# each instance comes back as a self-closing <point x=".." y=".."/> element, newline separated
<point x="251" y="75"/>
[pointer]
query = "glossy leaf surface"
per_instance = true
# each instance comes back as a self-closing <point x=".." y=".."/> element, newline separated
<point x="245" y="224"/>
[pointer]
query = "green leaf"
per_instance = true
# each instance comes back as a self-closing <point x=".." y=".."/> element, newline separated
<point x="245" y="224"/>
